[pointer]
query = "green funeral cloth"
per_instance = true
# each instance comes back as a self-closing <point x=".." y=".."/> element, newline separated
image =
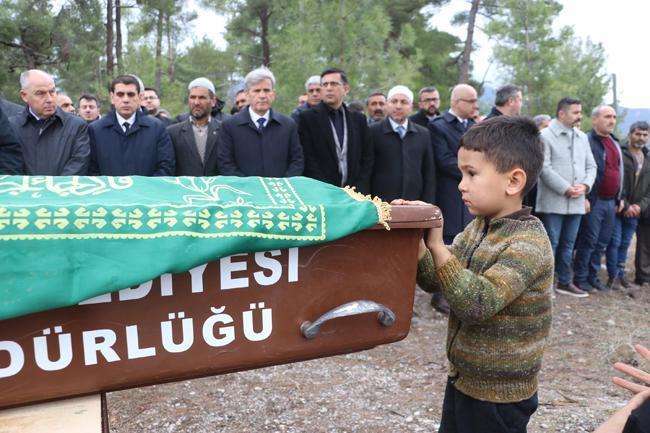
<point x="67" y="239"/>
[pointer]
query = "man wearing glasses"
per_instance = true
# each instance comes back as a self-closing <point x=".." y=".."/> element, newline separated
<point x="127" y="142"/>
<point x="446" y="132"/>
<point x="151" y="101"/>
<point x="336" y="141"/>
<point x="429" y="104"/>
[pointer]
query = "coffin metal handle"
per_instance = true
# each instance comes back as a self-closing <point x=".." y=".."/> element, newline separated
<point x="386" y="317"/>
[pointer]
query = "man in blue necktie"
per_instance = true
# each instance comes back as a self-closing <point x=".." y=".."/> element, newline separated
<point x="127" y="142"/>
<point x="404" y="166"/>
<point x="259" y="141"/>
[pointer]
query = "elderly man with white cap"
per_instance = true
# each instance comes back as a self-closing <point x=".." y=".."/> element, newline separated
<point x="404" y="166"/>
<point x="195" y="139"/>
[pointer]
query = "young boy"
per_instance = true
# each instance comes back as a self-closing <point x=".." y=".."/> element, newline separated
<point x="497" y="277"/>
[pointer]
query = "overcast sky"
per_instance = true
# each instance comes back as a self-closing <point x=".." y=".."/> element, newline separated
<point x="621" y="27"/>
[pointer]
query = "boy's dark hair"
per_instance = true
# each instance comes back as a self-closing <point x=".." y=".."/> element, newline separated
<point x="126" y="80"/>
<point x="566" y="103"/>
<point x="508" y="142"/>
<point x="341" y="72"/>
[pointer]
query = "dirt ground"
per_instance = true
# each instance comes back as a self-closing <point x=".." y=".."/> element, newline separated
<point x="399" y="387"/>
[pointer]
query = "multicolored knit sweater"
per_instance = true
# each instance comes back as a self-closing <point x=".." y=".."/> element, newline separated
<point x="498" y="284"/>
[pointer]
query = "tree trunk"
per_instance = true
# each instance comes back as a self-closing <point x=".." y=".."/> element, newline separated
<point x="264" y="14"/>
<point x="159" y="36"/>
<point x="109" y="39"/>
<point x="171" y="51"/>
<point x="118" y="36"/>
<point x="463" y="70"/>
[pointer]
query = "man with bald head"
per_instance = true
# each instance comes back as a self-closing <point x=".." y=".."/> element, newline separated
<point x="446" y="132"/>
<point x="54" y="143"/>
<point x="64" y="101"/>
<point x="603" y="201"/>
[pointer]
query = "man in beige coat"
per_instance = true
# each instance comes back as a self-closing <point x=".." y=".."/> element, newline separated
<point x="567" y="176"/>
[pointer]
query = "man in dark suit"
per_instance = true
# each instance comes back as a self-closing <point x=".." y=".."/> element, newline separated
<point x="429" y="104"/>
<point x="446" y="132"/>
<point x="195" y="139"/>
<point x="128" y="142"/>
<point x="404" y="166"/>
<point x="508" y="101"/>
<point x="259" y="141"/>
<point x="11" y="154"/>
<point x="337" y="144"/>
<point x="54" y="143"/>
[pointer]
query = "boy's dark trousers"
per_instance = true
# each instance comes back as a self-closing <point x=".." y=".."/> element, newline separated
<point x="464" y="414"/>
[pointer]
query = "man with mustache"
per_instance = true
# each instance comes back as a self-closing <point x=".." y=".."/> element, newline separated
<point x="376" y="107"/>
<point x="195" y="139"/>
<point x="567" y="176"/>
<point x="429" y="104"/>
<point x="636" y="199"/>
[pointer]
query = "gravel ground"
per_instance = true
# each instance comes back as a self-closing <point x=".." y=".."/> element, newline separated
<point x="399" y="387"/>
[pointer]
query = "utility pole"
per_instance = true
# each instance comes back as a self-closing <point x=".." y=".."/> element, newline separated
<point x="614" y="93"/>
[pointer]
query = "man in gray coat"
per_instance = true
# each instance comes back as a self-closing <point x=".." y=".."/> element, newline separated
<point x="567" y="176"/>
<point x="54" y="143"/>
<point x="195" y="139"/>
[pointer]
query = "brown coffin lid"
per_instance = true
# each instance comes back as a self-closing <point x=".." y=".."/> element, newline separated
<point x="414" y="216"/>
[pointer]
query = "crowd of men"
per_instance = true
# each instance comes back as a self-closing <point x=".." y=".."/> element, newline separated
<point x="592" y="196"/>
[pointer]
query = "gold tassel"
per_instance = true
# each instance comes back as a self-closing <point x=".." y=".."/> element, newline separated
<point x="383" y="208"/>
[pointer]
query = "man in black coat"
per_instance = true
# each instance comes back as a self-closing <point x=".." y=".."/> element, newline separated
<point x="508" y="101"/>
<point x="429" y="104"/>
<point x="259" y="141"/>
<point x="404" y="166"/>
<point x="195" y="139"/>
<point x="54" y="143"/>
<point x="11" y="154"/>
<point x="446" y="132"/>
<point x="128" y="142"/>
<point x="337" y="144"/>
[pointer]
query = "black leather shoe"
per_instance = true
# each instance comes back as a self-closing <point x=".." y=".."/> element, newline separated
<point x="600" y="286"/>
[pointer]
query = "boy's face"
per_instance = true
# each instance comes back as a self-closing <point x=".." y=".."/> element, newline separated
<point x="483" y="188"/>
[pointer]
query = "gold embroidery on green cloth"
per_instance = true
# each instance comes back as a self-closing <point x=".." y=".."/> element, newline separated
<point x="286" y="218"/>
<point x="383" y="208"/>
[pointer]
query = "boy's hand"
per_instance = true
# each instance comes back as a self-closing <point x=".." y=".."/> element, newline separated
<point x="432" y="237"/>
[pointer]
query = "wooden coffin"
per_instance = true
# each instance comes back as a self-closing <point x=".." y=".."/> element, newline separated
<point x="240" y="312"/>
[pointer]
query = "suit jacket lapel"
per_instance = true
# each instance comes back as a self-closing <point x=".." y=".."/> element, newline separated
<point x="213" y="131"/>
<point x="326" y="128"/>
<point x="188" y="136"/>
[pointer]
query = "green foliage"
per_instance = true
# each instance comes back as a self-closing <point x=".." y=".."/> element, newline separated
<point x="548" y="66"/>
<point x="378" y="43"/>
